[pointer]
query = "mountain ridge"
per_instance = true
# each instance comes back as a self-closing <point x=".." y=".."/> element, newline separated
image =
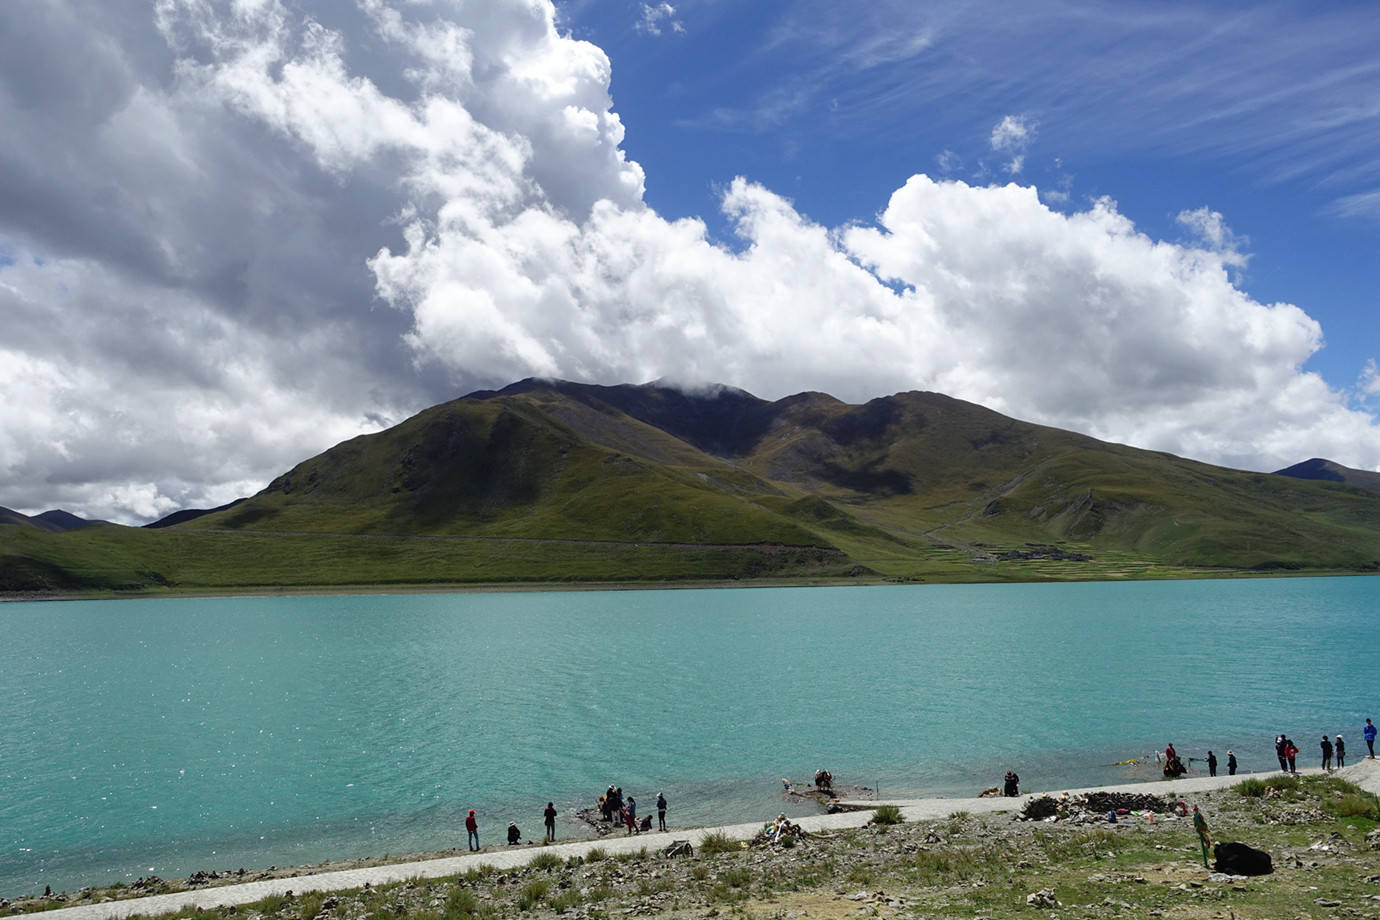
<point x="561" y="482"/>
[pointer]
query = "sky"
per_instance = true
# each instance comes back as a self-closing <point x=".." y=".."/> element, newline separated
<point x="234" y="233"/>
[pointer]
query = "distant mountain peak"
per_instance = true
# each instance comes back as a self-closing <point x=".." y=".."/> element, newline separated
<point x="1321" y="470"/>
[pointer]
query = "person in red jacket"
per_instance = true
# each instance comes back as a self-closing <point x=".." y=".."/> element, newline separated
<point x="472" y="828"/>
<point x="1291" y="751"/>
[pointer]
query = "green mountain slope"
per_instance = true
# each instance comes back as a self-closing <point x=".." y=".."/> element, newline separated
<point x="561" y="482"/>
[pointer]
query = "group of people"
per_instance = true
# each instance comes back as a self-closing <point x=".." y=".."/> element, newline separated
<point x="617" y="809"/>
<point x="613" y="806"/>
<point x="1173" y="765"/>
<point x="1287" y="751"/>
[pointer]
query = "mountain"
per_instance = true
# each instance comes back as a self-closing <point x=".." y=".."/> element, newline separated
<point x="1327" y="471"/>
<point x="189" y="514"/>
<point x="554" y="482"/>
<point x="65" y="520"/>
<point x="55" y="521"/>
<point x="559" y="460"/>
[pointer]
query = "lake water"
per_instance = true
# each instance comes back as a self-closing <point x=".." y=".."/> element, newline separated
<point x="167" y="736"/>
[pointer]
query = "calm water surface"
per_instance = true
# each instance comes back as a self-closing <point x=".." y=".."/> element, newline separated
<point x="174" y="735"/>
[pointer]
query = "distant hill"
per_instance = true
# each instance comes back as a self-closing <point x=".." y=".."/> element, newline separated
<point x="189" y="514"/>
<point x="556" y="482"/>
<point x="1326" y="471"/>
<point x="65" y="520"/>
<point x="55" y="521"/>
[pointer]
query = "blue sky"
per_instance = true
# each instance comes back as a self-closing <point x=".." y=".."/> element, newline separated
<point x="234" y="233"/>
<point x="1266" y="113"/>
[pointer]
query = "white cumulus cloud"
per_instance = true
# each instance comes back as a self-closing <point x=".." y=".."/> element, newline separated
<point x="255" y="229"/>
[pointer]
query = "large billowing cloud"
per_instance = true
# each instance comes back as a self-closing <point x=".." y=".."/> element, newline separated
<point x="234" y="233"/>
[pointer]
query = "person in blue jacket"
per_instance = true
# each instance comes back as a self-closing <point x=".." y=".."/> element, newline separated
<point x="1369" y="735"/>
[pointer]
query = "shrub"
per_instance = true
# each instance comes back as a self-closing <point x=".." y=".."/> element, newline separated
<point x="596" y="854"/>
<point x="533" y="893"/>
<point x="546" y="860"/>
<point x="564" y="901"/>
<point x="887" y="815"/>
<point x="461" y="903"/>
<point x="738" y="878"/>
<point x="1357" y="805"/>
<point x="718" y="842"/>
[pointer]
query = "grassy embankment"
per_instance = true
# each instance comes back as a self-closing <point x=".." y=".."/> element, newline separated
<point x="1320" y="831"/>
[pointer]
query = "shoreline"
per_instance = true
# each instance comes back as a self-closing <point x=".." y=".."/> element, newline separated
<point x="1364" y="774"/>
<point x="517" y="587"/>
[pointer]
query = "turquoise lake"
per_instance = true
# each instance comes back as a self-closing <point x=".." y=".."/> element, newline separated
<point x="169" y="736"/>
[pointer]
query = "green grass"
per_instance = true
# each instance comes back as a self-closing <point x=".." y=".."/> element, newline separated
<point x="718" y="842"/>
<point x="532" y="894"/>
<point x="887" y="815"/>
<point x="546" y="860"/>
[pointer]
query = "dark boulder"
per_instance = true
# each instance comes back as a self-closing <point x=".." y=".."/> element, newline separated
<point x="1239" y="859"/>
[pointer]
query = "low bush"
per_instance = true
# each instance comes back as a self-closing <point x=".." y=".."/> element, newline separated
<point x="546" y="860"/>
<point x="887" y="815"/>
<point x="718" y="842"/>
<point x="533" y="893"/>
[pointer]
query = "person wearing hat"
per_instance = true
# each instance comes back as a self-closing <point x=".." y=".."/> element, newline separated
<point x="661" y="810"/>
<point x="1231" y="764"/>
<point x="472" y="828"/>
<point x="514" y="835"/>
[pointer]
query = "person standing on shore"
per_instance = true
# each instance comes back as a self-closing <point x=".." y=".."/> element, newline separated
<point x="1326" y="746"/>
<point x="550" y="815"/>
<point x="1279" y="752"/>
<point x="1212" y="764"/>
<point x="472" y="830"/>
<point x="1291" y="753"/>
<point x="1231" y="764"/>
<point x="1341" y="752"/>
<point x="1369" y="735"/>
<point x="661" y="804"/>
<point x="630" y="814"/>
<point x="1011" y="787"/>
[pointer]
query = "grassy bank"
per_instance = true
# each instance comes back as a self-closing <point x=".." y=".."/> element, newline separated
<point x="1320" y="831"/>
